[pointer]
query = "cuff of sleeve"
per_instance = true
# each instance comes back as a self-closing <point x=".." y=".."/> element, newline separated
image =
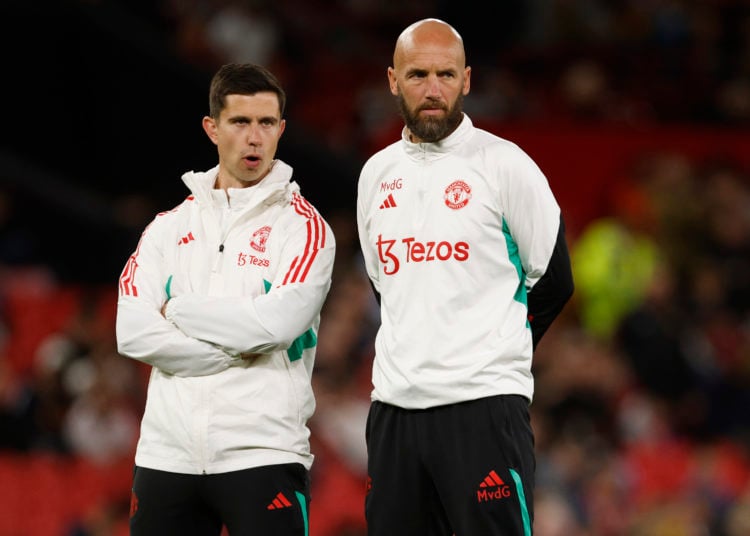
<point x="169" y="311"/>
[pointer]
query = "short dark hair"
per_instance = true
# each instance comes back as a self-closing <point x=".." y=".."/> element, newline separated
<point x="242" y="79"/>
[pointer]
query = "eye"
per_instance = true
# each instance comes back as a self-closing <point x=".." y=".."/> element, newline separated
<point x="418" y="74"/>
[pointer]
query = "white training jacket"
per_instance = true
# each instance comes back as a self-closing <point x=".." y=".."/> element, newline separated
<point x="247" y="273"/>
<point x="454" y="235"/>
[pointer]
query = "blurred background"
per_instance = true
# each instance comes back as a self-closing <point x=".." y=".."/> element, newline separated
<point x="638" y="112"/>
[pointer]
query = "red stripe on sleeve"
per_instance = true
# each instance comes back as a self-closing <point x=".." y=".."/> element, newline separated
<point x="315" y="240"/>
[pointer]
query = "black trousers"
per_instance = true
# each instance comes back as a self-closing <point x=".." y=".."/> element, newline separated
<point x="264" y="501"/>
<point x="463" y="469"/>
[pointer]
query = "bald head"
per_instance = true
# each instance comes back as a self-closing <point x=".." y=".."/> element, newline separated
<point x="429" y="79"/>
<point x="427" y="34"/>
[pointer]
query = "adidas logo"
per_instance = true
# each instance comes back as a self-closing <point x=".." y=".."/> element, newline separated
<point x="492" y="488"/>
<point x="389" y="202"/>
<point x="185" y="239"/>
<point x="280" y="501"/>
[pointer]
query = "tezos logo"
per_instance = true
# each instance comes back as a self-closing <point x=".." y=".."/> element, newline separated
<point x="392" y="252"/>
<point x="259" y="238"/>
<point x="457" y="195"/>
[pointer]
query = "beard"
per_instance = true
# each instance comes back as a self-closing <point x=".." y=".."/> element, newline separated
<point x="431" y="129"/>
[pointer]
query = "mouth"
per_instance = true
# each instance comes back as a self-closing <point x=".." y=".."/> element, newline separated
<point x="432" y="109"/>
<point x="251" y="160"/>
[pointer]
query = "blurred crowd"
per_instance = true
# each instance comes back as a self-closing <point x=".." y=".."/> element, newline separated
<point x="642" y="386"/>
<point x="624" y="61"/>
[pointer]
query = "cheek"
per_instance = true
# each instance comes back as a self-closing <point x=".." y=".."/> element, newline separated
<point x="228" y="139"/>
<point x="411" y="97"/>
<point x="272" y="140"/>
<point x="227" y="146"/>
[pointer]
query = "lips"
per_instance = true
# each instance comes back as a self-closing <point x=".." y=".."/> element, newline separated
<point x="433" y="109"/>
<point x="251" y="160"/>
<point x="432" y="105"/>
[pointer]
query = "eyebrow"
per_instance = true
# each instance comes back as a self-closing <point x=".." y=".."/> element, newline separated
<point x="423" y="71"/>
<point x="237" y="118"/>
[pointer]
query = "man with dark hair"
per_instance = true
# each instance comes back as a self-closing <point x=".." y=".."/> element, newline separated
<point x="222" y="297"/>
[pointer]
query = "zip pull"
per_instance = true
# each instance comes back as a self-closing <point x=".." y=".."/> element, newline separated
<point x="217" y="262"/>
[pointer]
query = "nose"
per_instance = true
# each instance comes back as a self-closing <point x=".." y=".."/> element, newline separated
<point x="433" y="86"/>
<point x="253" y="134"/>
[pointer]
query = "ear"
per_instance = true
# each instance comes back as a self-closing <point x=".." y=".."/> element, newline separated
<point x="392" y="80"/>
<point x="467" y="80"/>
<point x="210" y="127"/>
<point x="282" y="126"/>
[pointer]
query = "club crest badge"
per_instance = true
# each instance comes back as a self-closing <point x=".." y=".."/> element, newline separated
<point x="457" y="195"/>
<point x="259" y="238"/>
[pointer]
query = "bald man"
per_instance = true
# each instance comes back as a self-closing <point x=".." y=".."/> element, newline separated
<point x="464" y="244"/>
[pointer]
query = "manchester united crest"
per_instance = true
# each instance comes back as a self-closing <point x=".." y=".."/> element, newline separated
<point x="457" y="195"/>
<point x="259" y="238"/>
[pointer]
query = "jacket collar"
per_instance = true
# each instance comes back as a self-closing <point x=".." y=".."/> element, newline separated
<point x="275" y="186"/>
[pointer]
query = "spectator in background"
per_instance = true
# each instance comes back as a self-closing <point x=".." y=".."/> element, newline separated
<point x="243" y="31"/>
<point x="222" y="297"/>
<point x="100" y="425"/>
<point x="615" y="258"/>
<point x="464" y="243"/>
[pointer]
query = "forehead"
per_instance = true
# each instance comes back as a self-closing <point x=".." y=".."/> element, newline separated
<point x="429" y="55"/>
<point x="263" y="104"/>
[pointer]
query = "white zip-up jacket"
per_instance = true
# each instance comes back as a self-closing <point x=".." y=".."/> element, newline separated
<point x="243" y="273"/>
<point x="463" y="242"/>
